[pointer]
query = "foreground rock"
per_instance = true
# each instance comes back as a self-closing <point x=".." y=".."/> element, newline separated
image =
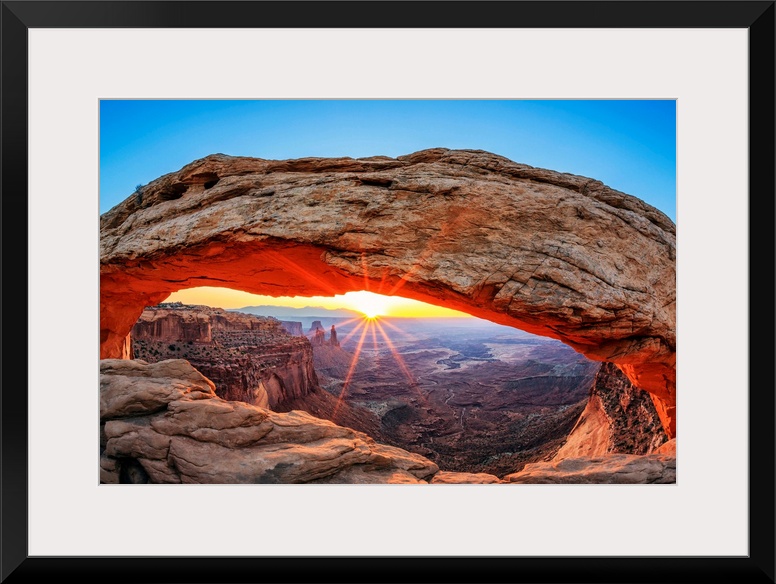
<point x="618" y="419"/>
<point x="668" y="448"/>
<point x="250" y="358"/>
<point x="461" y="478"/>
<point x="163" y="423"/>
<point x="555" y="254"/>
<point x="611" y="469"/>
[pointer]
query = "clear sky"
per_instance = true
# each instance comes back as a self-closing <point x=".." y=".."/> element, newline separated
<point x="630" y="145"/>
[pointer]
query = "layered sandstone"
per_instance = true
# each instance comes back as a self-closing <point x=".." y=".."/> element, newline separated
<point x="554" y="254"/>
<point x="618" y="418"/>
<point x="609" y="469"/>
<point x="249" y="358"/>
<point x="163" y="423"/>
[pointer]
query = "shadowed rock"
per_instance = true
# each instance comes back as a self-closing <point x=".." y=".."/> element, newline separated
<point x="618" y="418"/>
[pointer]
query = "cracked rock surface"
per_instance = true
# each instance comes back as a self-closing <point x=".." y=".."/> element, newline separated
<point x="554" y="254"/>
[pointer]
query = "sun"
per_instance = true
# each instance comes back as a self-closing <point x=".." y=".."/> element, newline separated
<point x="371" y="305"/>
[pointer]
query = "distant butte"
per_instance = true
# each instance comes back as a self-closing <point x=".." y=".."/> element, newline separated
<point x="554" y="254"/>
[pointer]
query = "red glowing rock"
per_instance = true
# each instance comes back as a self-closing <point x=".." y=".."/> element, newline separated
<point x="554" y="254"/>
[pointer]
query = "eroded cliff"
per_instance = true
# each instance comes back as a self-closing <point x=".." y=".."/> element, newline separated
<point x="618" y="419"/>
<point x="249" y="358"/>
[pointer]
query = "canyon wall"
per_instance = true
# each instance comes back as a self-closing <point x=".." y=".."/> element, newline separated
<point x="551" y="253"/>
<point x="292" y="328"/>
<point x="618" y="419"/>
<point x="249" y="358"/>
<point x="164" y="423"/>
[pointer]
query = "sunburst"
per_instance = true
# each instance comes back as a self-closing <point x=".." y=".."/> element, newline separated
<point x="369" y="304"/>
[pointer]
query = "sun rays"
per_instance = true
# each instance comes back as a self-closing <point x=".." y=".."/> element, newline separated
<point x="373" y="326"/>
<point x="376" y="302"/>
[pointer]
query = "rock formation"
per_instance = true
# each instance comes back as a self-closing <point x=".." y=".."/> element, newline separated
<point x="471" y="478"/>
<point x="610" y="469"/>
<point x="554" y="254"/>
<point x="163" y="423"/>
<point x="318" y="338"/>
<point x="292" y="328"/>
<point x="618" y="418"/>
<point x="668" y="448"/>
<point x="249" y="358"/>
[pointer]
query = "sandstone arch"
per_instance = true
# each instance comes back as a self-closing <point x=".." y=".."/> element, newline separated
<point x="555" y="254"/>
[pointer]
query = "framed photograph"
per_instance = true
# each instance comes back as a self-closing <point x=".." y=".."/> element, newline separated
<point x="340" y="93"/>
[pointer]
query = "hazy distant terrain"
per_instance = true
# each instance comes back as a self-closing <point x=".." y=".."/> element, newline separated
<point x="298" y="314"/>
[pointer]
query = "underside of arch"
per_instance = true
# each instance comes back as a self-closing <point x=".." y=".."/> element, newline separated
<point x="553" y="254"/>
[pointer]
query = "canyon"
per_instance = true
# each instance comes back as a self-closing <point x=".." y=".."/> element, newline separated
<point x="472" y="396"/>
<point x="250" y="359"/>
<point x="469" y="396"/>
<point x="565" y="257"/>
<point x="163" y="423"/>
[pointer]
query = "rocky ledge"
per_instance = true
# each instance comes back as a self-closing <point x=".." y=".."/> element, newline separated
<point x="618" y="419"/>
<point x="163" y="423"/>
<point x="610" y="469"/>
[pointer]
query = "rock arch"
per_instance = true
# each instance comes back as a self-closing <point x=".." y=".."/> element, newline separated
<point x="554" y="254"/>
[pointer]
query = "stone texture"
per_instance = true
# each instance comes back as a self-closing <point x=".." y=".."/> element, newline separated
<point x="292" y="328"/>
<point x="471" y="478"/>
<point x="554" y="254"/>
<point x="618" y="418"/>
<point x="187" y="434"/>
<point x="129" y="388"/>
<point x="360" y="474"/>
<point x="609" y="469"/>
<point x="669" y="448"/>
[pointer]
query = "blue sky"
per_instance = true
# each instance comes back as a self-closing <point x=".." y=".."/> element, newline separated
<point x="630" y="145"/>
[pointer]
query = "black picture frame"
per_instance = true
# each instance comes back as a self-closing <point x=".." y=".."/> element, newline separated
<point x="756" y="16"/>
